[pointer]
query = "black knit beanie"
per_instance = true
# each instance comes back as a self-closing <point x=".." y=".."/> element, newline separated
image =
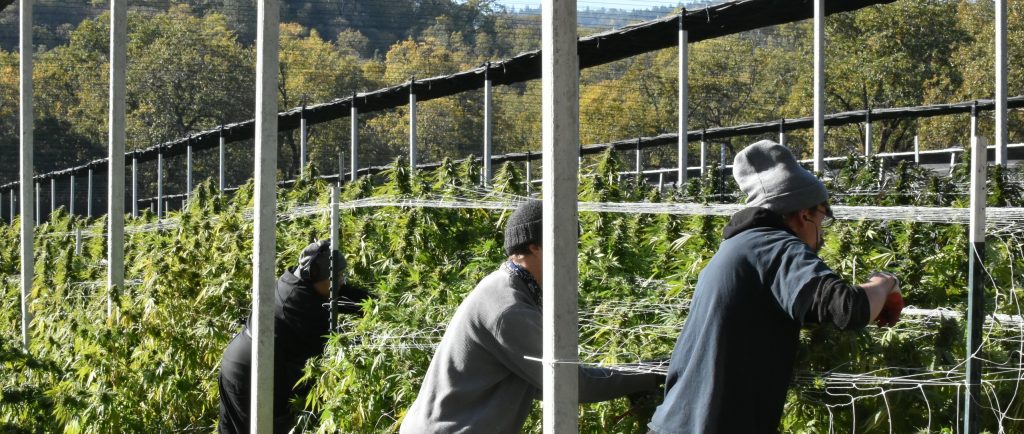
<point x="524" y="226"/>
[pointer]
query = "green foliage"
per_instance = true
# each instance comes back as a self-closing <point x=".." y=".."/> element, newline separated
<point x="152" y="364"/>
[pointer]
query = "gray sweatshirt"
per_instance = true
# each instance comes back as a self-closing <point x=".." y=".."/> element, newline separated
<point x="478" y="380"/>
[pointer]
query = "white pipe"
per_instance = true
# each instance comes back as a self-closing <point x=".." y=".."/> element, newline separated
<point x="26" y="166"/>
<point x="160" y="185"/>
<point x="53" y="196"/>
<point x="262" y="380"/>
<point x="115" y="178"/>
<point x="1000" y="103"/>
<point x="188" y="172"/>
<point x="220" y="169"/>
<point x="683" y="144"/>
<point x="354" y="141"/>
<point x="560" y="138"/>
<point x="303" y="136"/>
<point x="71" y="194"/>
<point x="412" y="127"/>
<point x="88" y="194"/>
<point x="819" y="85"/>
<point x="488" y="127"/>
<point x="135" y="187"/>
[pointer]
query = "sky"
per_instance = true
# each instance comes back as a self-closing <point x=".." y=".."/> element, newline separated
<point x="594" y="4"/>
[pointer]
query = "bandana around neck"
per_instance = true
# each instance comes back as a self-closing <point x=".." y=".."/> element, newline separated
<point x="514" y="269"/>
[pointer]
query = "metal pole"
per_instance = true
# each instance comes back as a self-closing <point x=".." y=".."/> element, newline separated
<point x="782" y="132"/>
<point x="53" y="196"/>
<point x="303" y="136"/>
<point x="135" y="186"/>
<point x="488" y="127"/>
<point x="976" y="290"/>
<point x="354" y="141"/>
<point x="25" y="125"/>
<point x="867" y="134"/>
<point x="529" y="174"/>
<point x="683" y="141"/>
<point x="819" y="85"/>
<point x="220" y="169"/>
<point x="661" y="181"/>
<point x="262" y="383"/>
<point x="1001" y="55"/>
<point x="88" y="193"/>
<point x="116" y="137"/>
<point x="160" y="184"/>
<point x="560" y="137"/>
<point x="78" y="241"/>
<point x="38" y="213"/>
<point x="917" y="150"/>
<point x="412" y="126"/>
<point x="974" y="123"/>
<point x="188" y="170"/>
<point x="335" y="249"/>
<point x="703" y="156"/>
<point x="71" y="194"/>
<point x="639" y="165"/>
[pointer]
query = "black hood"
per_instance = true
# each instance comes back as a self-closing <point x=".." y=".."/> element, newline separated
<point x="754" y="217"/>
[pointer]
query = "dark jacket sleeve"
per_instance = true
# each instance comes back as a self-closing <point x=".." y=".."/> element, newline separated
<point x="838" y="303"/>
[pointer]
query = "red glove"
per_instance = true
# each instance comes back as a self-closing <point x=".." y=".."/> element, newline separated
<point x="890" y="313"/>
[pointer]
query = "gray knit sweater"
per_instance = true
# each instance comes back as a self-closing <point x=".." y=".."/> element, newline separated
<point x="478" y="380"/>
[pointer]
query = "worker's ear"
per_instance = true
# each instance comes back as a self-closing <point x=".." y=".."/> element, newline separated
<point x="536" y="249"/>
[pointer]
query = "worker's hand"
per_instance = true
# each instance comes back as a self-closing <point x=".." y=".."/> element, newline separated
<point x="351" y="297"/>
<point x="893" y="306"/>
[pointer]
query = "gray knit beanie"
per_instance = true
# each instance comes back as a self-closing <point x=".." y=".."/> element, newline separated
<point x="771" y="177"/>
<point x="524" y="226"/>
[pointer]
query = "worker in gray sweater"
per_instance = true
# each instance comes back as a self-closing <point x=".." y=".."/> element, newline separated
<point x="479" y="380"/>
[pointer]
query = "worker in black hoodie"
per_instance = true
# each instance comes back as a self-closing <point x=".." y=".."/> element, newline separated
<point x="301" y="326"/>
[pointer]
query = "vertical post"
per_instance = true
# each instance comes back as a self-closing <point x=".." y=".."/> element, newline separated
<point x="303" y="136"/>
<point x="88" y="193"/>
<point x="1000" y="103"/>
<point x="341" y="165"/>
<point x="188" y="169"/>
<point x="335" y="250"/>
<point x="976" y="289"/>
<point x="354" y="142"/>
<point x="135" y="186"/>
<point x="116" y="137"/>
<point x="160" y="184"/>
<point x="703" y="156"/>
<point x="488" y="124"/>
<point x="412" y="125"/>
<point x="38" y="211"/>
<point x="529" y="173"/>
<point x="661" y="181"/>
<point x="220" y="166"/>
<point x="26" y="166"/>
<point x="71" y="194"/>
<point x="639" y="164"/>
<point x="819" y="85"/>
<point x="53" y="195"/>
<point x="262" y="387"/>
<point x="683" y="141"/>
<point x="78" y="241"/>
<point x="782" y="132"/>
<point x="560" y="137"/>
<point x="867" y="134"/>
<point x="917" y="150"/>
<point x="974" y="122"/>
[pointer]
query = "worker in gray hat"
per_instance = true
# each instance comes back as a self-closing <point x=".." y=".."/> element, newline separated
<point x="480" y="379"/>
<point x="732" y="364"/>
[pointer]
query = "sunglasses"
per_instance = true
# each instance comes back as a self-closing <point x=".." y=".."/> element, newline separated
<point x="829" y="217"/>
